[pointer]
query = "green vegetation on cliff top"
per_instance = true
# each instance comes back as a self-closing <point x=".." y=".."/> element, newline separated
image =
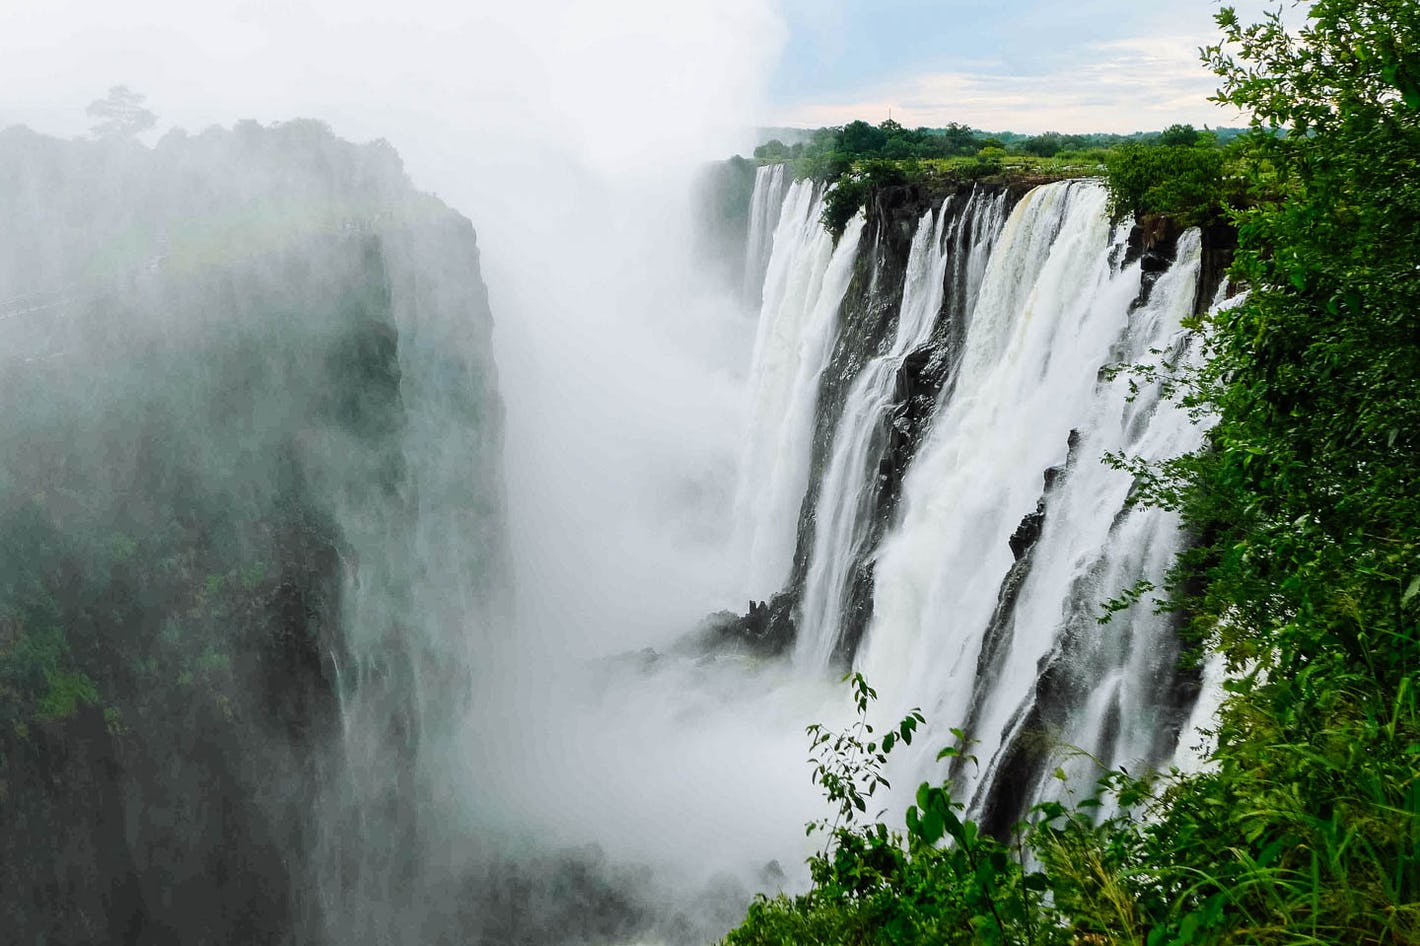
<point x="1179" y="171"/>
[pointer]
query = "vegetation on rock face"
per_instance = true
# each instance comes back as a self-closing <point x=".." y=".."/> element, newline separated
<point x="1186" y="180"/>
<point x="1305" y="579"/>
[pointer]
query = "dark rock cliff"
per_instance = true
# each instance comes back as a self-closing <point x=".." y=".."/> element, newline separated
<point x="199" y="369"/>
<point x="867" y="321"/>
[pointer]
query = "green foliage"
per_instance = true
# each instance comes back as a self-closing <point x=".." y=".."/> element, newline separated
<point x="38" y="681"/>
<point x="832" y="152"/>
<point x="1178" y="136"/>
<point x="1184" y="181"/>
<point x="842" y="201"/>
<point x="848" y="765"/>
<point x="1179" y="171"/>
<point x="850" y="193"/>
<point x="66" y="691"/>
<point x="874" y="885"/>
<point x="1307" y="499"/>
<point x="1183" y="173"/>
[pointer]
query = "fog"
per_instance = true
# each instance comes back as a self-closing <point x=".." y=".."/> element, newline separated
<point x="571" y="135"/>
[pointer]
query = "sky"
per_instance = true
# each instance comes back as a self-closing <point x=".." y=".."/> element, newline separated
<point x="1000" y="65"/>
<point x="1018" y="65"/>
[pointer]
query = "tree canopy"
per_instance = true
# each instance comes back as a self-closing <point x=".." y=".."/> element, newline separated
<point x="120" y="114"/>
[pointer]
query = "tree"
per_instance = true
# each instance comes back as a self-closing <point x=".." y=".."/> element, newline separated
<point x="1186" y="183"/>
<point x="858" y="137"/>
<point x="1178" y="136"/>
<point x="1317" y="376"/>
<point x="1307" y="500"/>
<point x="120" y="114"/>
<point x="1044" y="145"/>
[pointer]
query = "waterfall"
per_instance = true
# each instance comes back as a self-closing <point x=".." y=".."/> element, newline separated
<point x="1107" y="690"/>
<point x="847" y="501"/>
<point x="804" y="284"/>
<point x="987" y="592"/>
<point x="770" y="184"/>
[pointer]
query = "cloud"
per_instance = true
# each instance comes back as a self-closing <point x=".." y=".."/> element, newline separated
<point x="1135" y="84"/>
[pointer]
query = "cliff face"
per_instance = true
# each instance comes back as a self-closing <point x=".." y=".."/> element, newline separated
<point x="990" y="561"/>
<point x="866" y="324"/>
<point x="203" y="372"/>
<point x="865" y="327"/>
<point x="724" y="192"/>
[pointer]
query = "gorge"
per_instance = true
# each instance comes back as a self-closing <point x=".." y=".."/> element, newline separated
<point x="264" y="679"/>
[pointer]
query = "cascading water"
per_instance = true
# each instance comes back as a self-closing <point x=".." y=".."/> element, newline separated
<point x="1011" y="531"/>
<point x="846" y="502"/>
<point x="1108" y="691"/>
<point x="803" y="290"/>
<point x="771" y="182"/>
<point x="954" y="630"/>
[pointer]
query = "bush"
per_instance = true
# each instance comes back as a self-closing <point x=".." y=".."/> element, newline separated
<point x="1184" y="182"/>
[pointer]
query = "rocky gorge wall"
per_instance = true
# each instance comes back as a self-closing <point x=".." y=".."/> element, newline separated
<point x="866" y="321"/>
<point x="208" y="396"/>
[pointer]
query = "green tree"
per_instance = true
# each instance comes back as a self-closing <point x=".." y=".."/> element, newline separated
<point x="120" y="114"/>
<point x="1186" y="183"/>
<point x="1308" y="498"/>
<point x="861" y="138"/>
<point x="1178" y="136"/>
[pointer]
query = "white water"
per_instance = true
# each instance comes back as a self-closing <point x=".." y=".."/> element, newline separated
<point x="1094" y="547"/>
<point x="771" y="183"/>
<point x="846" y="497"/>
<point x="1053" y="310"/>
<point x="803" y="291"/>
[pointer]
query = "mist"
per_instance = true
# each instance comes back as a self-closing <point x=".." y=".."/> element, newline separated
<point x="571" y="135"/>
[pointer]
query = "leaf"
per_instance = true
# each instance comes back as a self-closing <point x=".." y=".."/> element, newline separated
<point x="1411" y="591"/>
<point x="955" y="825"/>
<point x="931" y="828"/>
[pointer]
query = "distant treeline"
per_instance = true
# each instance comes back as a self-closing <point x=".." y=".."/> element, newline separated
<point x="825" y="153"/>
<point x="1181" y="171"/>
